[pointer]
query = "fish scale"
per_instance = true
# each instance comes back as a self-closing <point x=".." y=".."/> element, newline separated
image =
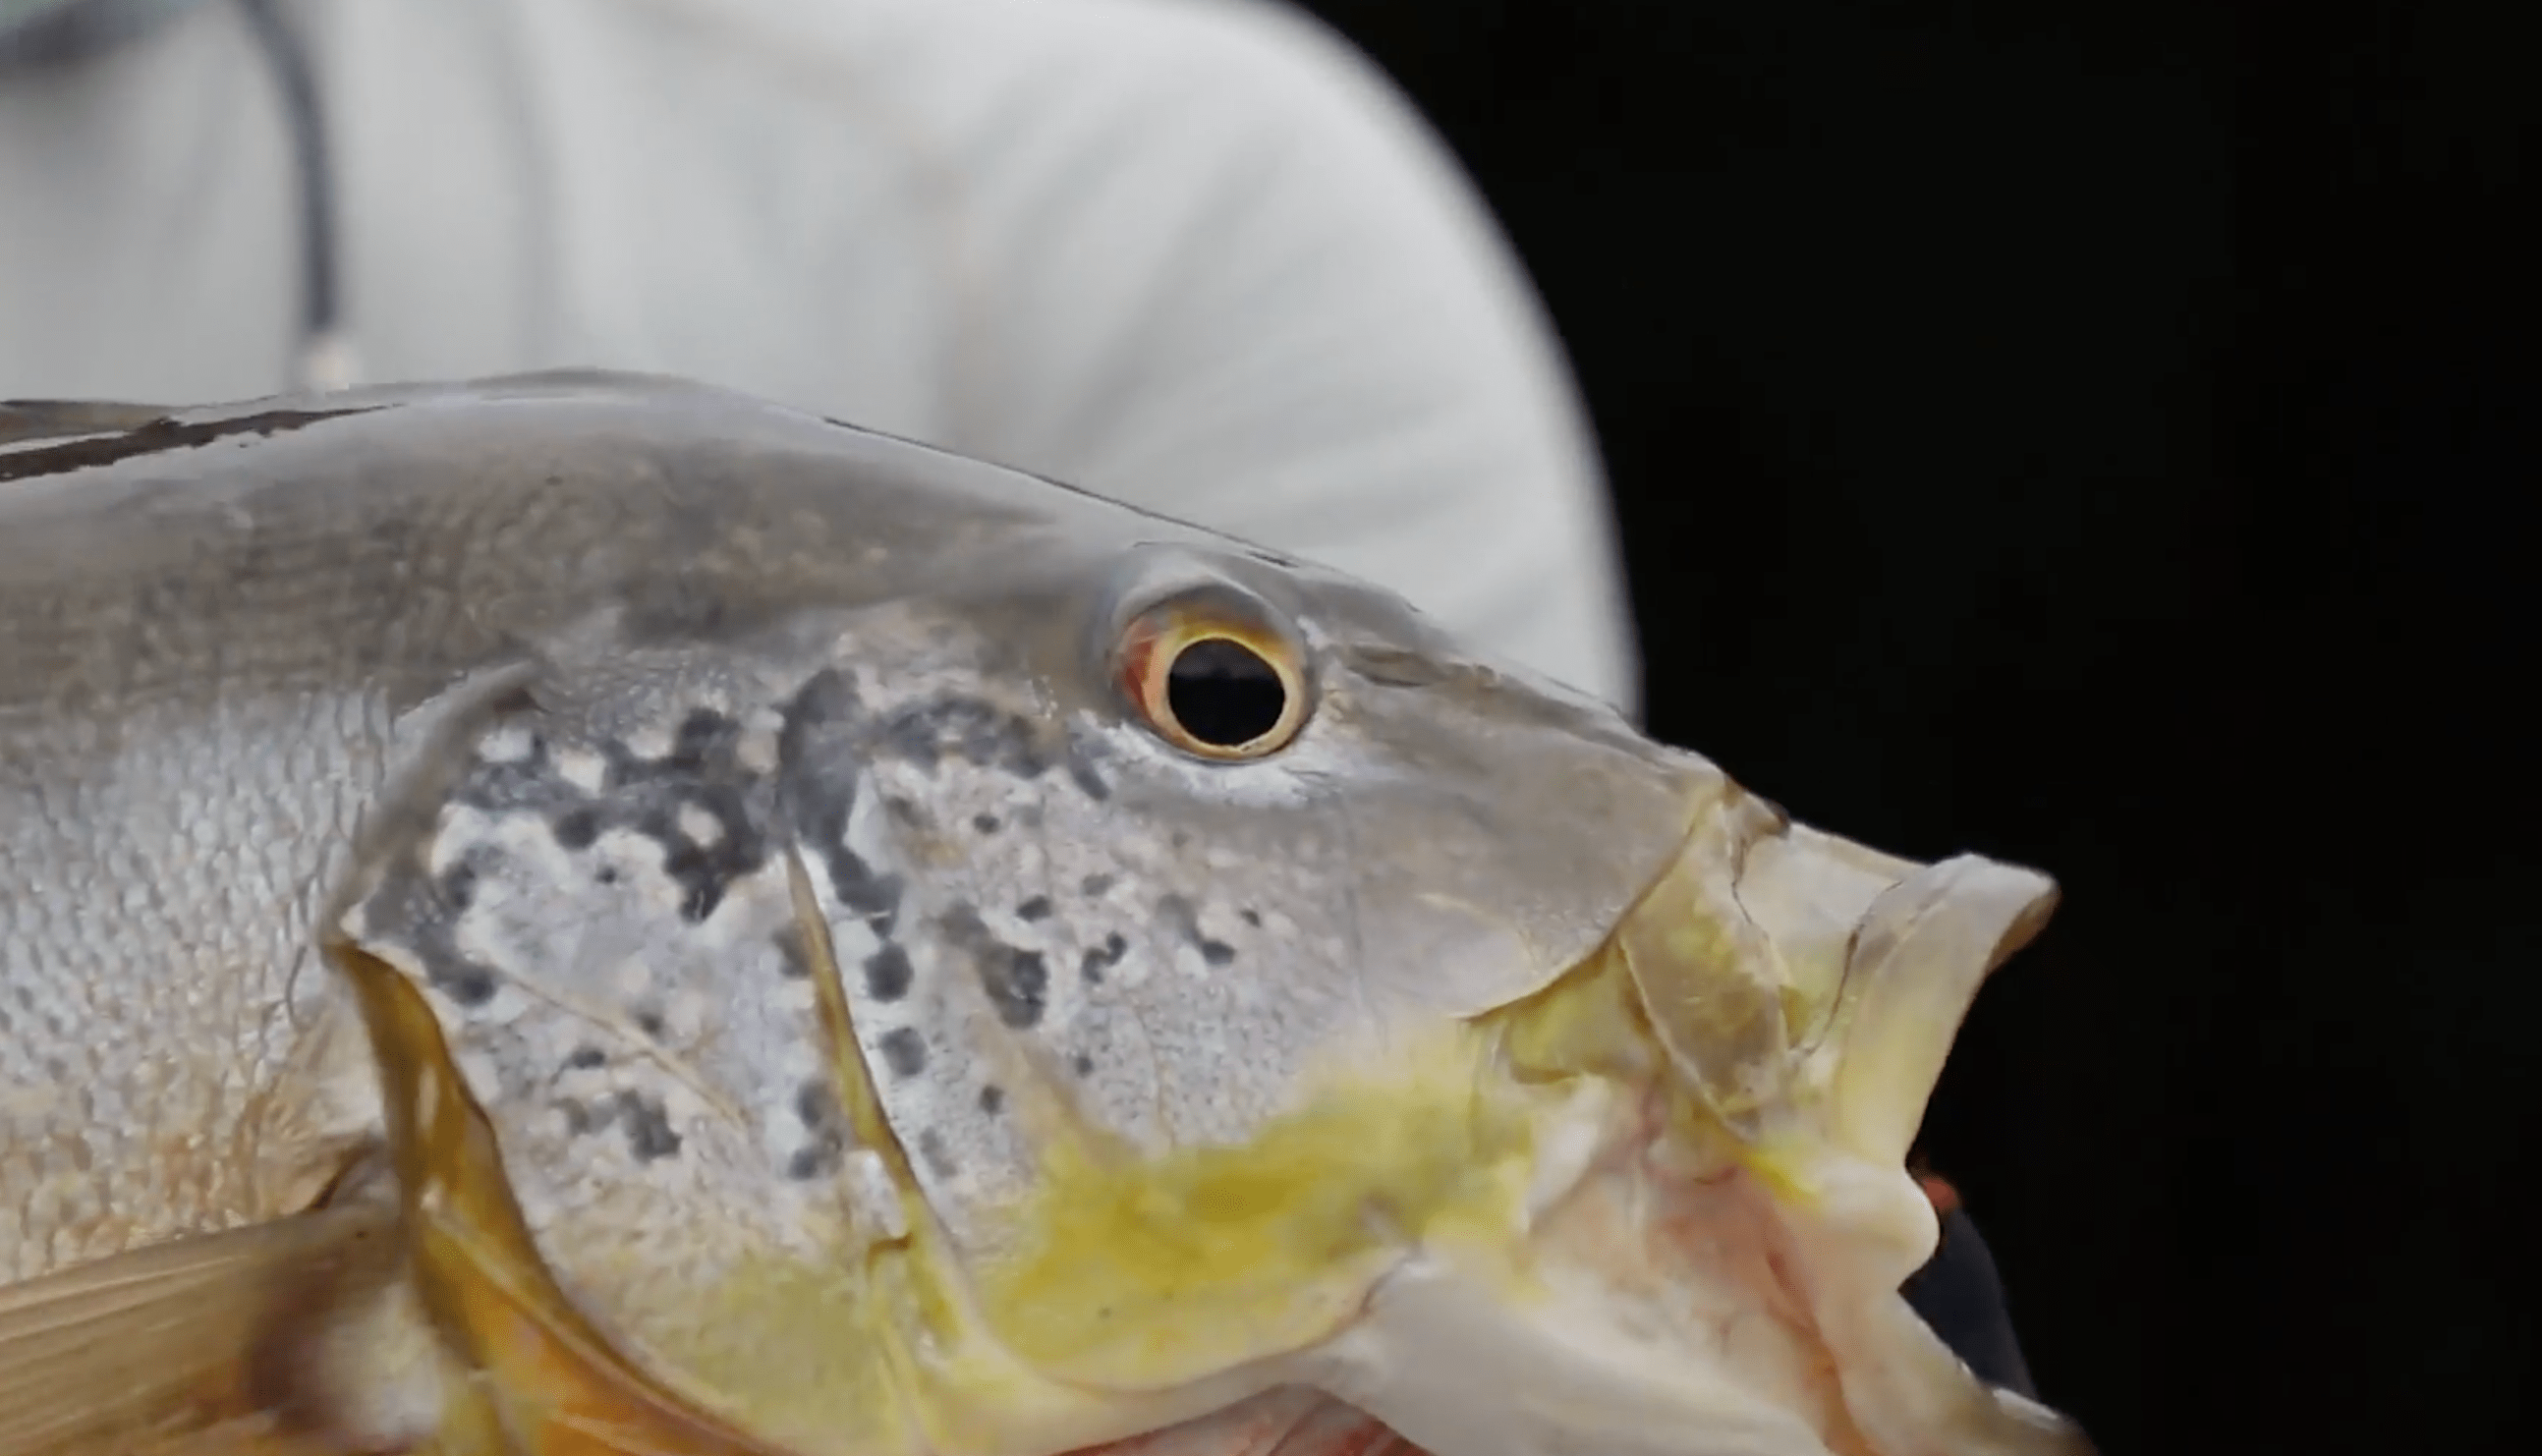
<point x="117" y="872"/>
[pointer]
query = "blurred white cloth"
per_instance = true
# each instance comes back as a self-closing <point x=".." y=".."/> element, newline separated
<point x="1195" y="254"/>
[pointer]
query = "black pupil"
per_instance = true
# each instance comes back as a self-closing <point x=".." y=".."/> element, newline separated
<point x="1223" y="694"/>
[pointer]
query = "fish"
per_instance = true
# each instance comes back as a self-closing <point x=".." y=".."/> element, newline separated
<point x="588" y="912"/>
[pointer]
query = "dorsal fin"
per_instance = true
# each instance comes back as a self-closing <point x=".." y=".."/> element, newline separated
<point x="49" y="438"/>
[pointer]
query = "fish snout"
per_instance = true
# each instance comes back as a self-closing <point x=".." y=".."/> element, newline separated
<point x="1762" y="1027"/>
<point x="1807" y="991"/>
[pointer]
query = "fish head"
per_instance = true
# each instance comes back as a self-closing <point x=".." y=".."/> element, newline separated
<point x="1282" y="991"/>
<point x="948" y="963"/>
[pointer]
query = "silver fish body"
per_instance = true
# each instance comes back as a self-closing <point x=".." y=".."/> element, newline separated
<point x="858" y="950"/>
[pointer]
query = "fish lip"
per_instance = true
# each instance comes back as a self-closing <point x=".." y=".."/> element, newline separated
<point x="1828" y="1142"/>
<point x="1904" y="1391"/>
<point x="1799" y="1036"/>
<point x="1797" y="978"/>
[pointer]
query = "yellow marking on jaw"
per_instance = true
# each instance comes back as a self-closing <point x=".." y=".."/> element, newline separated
<point x="1137" y="1274"/>
<point x="883" y="1350"/>
<point x="1593" y="1023"/>
<point x="1789" y="1167"/>
<point x="1588" y="1022"/>
<point x="1156" y="1272"/>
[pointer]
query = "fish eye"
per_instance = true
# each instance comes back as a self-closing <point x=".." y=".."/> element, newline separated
<point x="1212" y="683"/>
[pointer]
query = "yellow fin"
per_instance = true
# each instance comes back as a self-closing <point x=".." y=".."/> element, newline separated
<point x="186" y="1346"/>
<point x="549" y="1384"/>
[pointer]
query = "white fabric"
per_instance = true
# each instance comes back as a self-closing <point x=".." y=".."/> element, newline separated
<point x="1191" y="253"/>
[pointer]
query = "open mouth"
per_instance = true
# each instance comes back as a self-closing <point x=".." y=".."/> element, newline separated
<point x="1750" y="1055"/>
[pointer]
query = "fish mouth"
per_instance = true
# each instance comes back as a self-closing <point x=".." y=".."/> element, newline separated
<point x="1746" y="1060"/>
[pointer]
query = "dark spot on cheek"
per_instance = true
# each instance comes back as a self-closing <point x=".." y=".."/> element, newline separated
<point x="931" y="1146"/>
<point x="701" y="901"/>
<point x="1102" y="958"/>
<point x="650" y="1023"/>
<point x="969" y="728"/>
<point x="817" y="1103"/>
<point x="819" y="1160"/>
<point x="1034" y="909"/>
<point x="827" y="697"/>
<point x="993" y="1100"/>
<point x="794" y="960"/>
<point x="818" y="765"/>
<point x="814" y="1104"/>
<point x="701" y="733"/>
<point x="1095" y="885"/>
<point x="986" y="824"/>
<point x="577" y="828"/>
<point x="648" y="1128"/>
<point x="529" y="781"/>
<point x="1081" y="771"/>
<point x="1177" y="912"/>
<point x="911" y="735"/>
<point x="585" y="1058"/>
<point x="648" y="1124"/>
<point x="887" y="973"/>
<point x="579" y="1120"/>
<point x="704" y="870"/>
<point x="1250" y="917"/>
<point x="904" y="1052"/>
<point x="1017" y="983"/>
<point x="1083" y="1064"/>
<point x="871" y="895"/>
<point x="467" y="984"/>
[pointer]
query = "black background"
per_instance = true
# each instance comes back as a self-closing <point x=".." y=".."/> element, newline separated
<point x="2097" y="437"/>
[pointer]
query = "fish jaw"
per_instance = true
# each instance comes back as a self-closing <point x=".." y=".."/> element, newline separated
<point x="1722" y="1276"/>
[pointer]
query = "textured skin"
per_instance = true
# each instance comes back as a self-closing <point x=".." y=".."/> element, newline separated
<point x="157" y="1072"/>
<point x="546" y="691"/>
<point x="207" y="654"/>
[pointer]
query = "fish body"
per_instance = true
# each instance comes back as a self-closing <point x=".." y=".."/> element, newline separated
<point x="583" y="912"/>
